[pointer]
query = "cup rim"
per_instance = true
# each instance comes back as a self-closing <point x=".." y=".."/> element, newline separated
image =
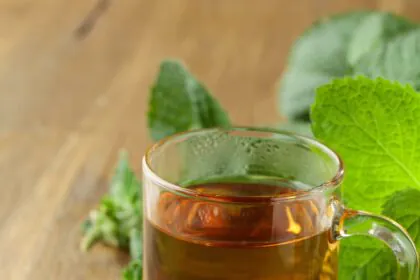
<point x="330" y="184"/>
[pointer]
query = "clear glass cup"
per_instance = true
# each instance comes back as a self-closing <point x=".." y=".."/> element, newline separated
<point x="247" y="203"/>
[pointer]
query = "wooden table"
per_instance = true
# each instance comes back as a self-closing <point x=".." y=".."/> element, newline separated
<point x="74" y="81"/>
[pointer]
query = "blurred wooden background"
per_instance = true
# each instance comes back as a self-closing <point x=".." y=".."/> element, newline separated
<point x="74" y="80"/>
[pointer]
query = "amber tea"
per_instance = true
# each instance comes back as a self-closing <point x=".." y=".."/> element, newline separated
<point x="242" y="236"/>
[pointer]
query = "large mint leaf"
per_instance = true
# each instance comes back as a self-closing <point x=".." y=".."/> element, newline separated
<point x="179" y="102"/>
<point x="397" y="60"/>
<point x="374" y="126"/>
<point x="318" y="56"/>
<point x="375" y="30"/>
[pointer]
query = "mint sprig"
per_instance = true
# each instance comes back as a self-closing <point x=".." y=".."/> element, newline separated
<point x="118" y="212"/>
<point x="118" y="219"/>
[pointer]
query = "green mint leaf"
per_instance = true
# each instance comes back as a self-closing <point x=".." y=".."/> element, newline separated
<point x="373" y="125"/>
<point x="179" y="102"/>
<point x="317" y="57"/>
<point x="397" y="60"/>
<point x="403" y="207"/>
<point x="364" y="258"/>
<point x="375" y="30"/>
<point x="371" y="261"/>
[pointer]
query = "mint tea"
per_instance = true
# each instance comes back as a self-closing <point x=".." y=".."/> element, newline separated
<point x="241" y="232"/>
<point x="269" y="209"/>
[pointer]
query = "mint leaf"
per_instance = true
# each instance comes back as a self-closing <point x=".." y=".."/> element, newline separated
<point x="374" y="127"/>
<point x="178" y="102"/>
<point x="373" y="31"/>
<point x="364" y="258"/>
<point x="403" y="207"/>
<point x="317" y="57"/>
<point x="397" y="60"/>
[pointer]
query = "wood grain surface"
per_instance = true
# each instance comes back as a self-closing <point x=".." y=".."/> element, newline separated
<point x="74" y="81"/>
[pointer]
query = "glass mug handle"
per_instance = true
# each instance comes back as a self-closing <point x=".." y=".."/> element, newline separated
<point x="349" y="223"/>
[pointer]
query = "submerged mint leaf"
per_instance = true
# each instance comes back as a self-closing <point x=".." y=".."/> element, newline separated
<point x="179" y="102"/>
<point x="398" y="60"/>
<point x="375" y="30"/>
<point x="373" y="125"/>
<point x="317" y="57"/>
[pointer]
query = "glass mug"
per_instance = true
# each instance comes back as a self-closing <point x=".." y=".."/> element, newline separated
<point x="247" y="203"/>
